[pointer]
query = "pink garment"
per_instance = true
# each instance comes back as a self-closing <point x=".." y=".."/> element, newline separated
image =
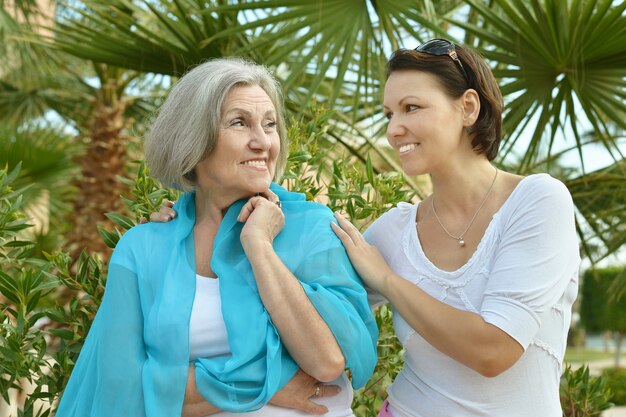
<point x="384" y="410"/>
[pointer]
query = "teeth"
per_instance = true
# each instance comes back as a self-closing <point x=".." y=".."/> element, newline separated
<point x="255" y="163"/>
<point x="406" y="148"/>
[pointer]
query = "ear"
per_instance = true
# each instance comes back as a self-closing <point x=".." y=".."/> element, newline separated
<point x="471" y="107"/>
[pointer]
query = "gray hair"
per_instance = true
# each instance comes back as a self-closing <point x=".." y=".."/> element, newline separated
<point x="186" y="128"/>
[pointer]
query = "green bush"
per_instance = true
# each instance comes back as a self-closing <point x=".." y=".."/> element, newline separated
<point x="602" y="307"/>
<point x="616" y="382"/>
<point x="45" y="310"/>
<point x="582" y="395"/>
<point x="598" y="310"/>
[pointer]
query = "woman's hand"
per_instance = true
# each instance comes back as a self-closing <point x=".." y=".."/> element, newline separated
<point x="365" y="258"/>
<point x="300" y="390"/>
<point x="194" y="404"/>
<point x="263" y="220"/>
<point x="164" y="215"/>
<point x="296" y="394"/>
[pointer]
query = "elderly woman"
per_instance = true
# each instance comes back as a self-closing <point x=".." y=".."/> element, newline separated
<point x="244" y="301"/>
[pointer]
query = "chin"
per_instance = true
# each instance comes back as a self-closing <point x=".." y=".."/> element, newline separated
<point x="413" y="170"/>
<point x="260" y="185"/>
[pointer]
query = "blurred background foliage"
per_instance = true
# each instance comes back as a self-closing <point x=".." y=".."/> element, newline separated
<point x="79" y="81"/>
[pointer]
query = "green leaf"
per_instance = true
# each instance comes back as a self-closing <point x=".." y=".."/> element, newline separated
<point x="125" y="222"/>
<point x="110" y="238"/>
<point x="64" y="334"/>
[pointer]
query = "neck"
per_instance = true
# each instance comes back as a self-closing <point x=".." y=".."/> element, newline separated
<point x="210" y="206"/>
<point x="460" y="188"/>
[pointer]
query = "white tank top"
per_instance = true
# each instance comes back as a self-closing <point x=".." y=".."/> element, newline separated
<point x="207" y="332"/>
<point x="208" y="338"/>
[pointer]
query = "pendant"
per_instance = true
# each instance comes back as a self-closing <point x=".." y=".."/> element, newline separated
<point x="461" y="242"/>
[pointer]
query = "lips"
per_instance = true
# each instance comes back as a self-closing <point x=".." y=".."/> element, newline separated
<point x="407" y="148"/>
<point x="258" y="163"/>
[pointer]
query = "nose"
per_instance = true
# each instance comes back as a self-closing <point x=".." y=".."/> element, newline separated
<point x="259" y="139"/>
<point x="395" y="129"/>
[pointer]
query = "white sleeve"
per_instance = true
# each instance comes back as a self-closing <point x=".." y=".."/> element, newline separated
<point x="378" y="235"/>
<point x="386" y="230"/>
<point x="535" y="260"/>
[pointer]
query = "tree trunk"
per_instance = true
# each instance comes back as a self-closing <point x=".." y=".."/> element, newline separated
<point x="606" y="339"/>
<point x="99" y="190"/>
<point x="619" y="337"/>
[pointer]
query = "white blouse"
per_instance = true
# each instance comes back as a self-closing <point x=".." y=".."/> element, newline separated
<point x="523" y="278"/>
<point x="208" y="338"/>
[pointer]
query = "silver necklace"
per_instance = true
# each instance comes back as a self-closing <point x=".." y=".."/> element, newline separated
<point x="461" y="237"/>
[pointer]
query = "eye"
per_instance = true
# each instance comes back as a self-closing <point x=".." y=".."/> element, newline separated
<point x="236" y="122"/>
<point x="388" y="115"/>
<point x="411" y="107"/>
<point x="270" y="124"/>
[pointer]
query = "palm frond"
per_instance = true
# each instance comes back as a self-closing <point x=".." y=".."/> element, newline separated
<point x="600" y="198"/>
<point x="561" y="65"/>
<point x="160" y="36"/>
<point x="46" y="156"/>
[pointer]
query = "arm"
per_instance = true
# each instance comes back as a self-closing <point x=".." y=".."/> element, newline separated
<point x="296" y="394"/>
<point x="195" y="405"/>
<point x="462" y="335"/>
<point x="303" y="332"/>
<point x="535" y="260"/>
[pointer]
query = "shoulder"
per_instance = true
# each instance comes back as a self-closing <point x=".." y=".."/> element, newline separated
<point x="402" y="213"/>
<point x="541" y="186"/>
<point x="541" y="192"/>
<point x="391" y="222"/>
<point x="148" y="232"/>
<point x="539" y="204"/>
<point x="140" y="240"/>
<point x="307" y="212"/>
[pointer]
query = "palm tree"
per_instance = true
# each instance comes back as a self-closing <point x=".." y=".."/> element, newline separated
<point x="560" y="64"/>
<point x="105" y="158"/>
<point x="92" y="102"/>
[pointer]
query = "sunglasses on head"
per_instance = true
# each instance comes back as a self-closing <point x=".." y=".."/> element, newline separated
<point x="440" y="47"/>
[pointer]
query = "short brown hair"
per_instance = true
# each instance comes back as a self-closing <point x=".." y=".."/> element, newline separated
<point x="487" y="130"/>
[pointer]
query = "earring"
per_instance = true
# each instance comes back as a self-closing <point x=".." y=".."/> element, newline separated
<point x="469" y="129"/>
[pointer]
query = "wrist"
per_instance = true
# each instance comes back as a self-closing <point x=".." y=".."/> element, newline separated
<point x="386" y="284"/>
<point x="256" y="246"/>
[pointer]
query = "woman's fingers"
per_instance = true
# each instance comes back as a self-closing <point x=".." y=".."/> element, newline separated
<point x="249" y="207"/>
<point x="318" y="391"/>
<point x="165" y="214"/>
<point x="270" y="196"/>
<point x="300" y="394"/>
<point x="256" y="201"/>
<point x="321" y="390"/>
<point x="343" y="236"/>
<point x="348" y="230"/>
<point x="313" y="408"/>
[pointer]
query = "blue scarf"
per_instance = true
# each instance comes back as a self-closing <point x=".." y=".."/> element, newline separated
<point x="135" y="359"/>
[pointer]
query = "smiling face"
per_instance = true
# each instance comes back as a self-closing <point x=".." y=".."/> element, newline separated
<point x="425" y="125"/>
<point x="243" y="161"/>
